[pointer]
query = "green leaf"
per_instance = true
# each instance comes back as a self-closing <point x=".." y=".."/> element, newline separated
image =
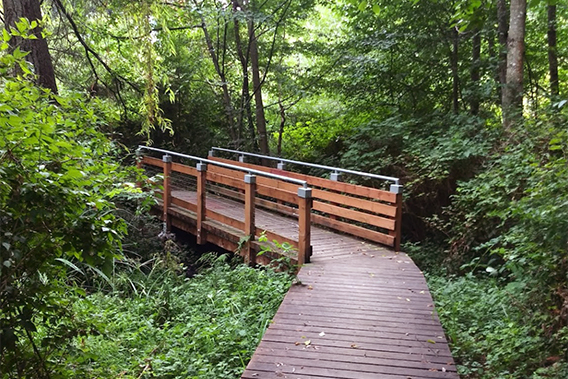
<point x="70" y="264"/>
<point x="362" y="6"/>
<point x="376" y="9"/>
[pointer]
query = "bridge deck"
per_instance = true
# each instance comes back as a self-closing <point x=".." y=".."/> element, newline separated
<point x="361" y="311"/>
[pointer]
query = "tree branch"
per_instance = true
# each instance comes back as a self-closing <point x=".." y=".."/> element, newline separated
<point x="89" y="50"/>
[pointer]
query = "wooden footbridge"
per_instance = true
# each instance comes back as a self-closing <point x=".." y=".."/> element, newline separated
<point x="362" y="308"/>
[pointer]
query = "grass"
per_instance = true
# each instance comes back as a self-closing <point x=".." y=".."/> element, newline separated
<point x="161" y="324"/>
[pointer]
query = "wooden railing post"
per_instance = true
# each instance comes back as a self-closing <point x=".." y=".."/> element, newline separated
<point x="397" y="232"/>
<point x="167" y="194"/>
<point x="250" y="191"/>
<point x="304" y="224"/>
<point x="201" y="202"/>
<point x="139" y="160"/>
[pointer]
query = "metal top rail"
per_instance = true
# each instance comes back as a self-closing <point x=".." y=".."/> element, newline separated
<point x="330" y="168"/>
<point x="303" y="183"/>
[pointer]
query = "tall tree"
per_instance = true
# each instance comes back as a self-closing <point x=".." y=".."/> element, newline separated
<point x="475" y="75"/>
<point x="552" y="53"/>
<point x="502" y="30"/>
<point x="257" y="88"/>
<point x="37" y="48"/>
<point x="454" y="58"/>
<point x="512" y="100"/>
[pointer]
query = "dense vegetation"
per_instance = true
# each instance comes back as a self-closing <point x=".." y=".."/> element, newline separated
<point x="464" y="100"/>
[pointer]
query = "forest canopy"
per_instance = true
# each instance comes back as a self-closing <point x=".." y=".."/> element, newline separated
<point x="465" y="100"/>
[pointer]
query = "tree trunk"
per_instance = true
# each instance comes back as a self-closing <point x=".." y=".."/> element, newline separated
<point x="552" y="53"/>
<point x="455" y="74"/>
<point x="38" y="55"/>
<point x="260" y="118"/>
<point x="229" y="111"/>
<point x="502" y="30"/>
<point x="512" y="101"/>
<point x="245" y="109"/>
<point x="476" y="61"/>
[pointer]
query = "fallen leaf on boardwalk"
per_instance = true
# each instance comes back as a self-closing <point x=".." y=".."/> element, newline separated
<point x="322" y="334"/>
<point x="310" y="287"/>
<point x="433" y="369"/>
<point x="354" y="346"/>
<point x="422" y="292"/>
<point x="372" y="256"/>
<point x="307" y="342"/>
<point x="278" y="364"/>
<point x="431" y="341"/>
<point x="371" y="275"/>
<point x="443" y="369"/>
<point x="407" y="299"/>
<point x="296" y="343"/>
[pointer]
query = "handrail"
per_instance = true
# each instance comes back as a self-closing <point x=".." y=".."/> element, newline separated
<point x="335" y="169"/>
<point x="303" y="183"/>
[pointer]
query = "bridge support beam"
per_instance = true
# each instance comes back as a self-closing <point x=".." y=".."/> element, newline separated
<point x="201" y="202"/>
<point x="304" y="224"/>
<point x="167" y="194"/>
<point x="250" y="192"/>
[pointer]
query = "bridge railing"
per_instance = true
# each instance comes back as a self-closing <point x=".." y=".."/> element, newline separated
<point x="369" y="213"/>
<point x="187" y="188"/>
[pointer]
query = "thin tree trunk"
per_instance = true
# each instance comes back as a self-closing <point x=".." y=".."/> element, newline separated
<point x="455" y="74"/>
<point x="476" y="62"/>
<point x="552" y="52"/>
<point x="260" y="118"/>
<point x="282" y="121"/>
<point x="38" y="55"/>
<point x="493" y="57"/>
<point x="512" y="102"/>
<point x="245" y="110"/>
<point x="502" y="31"/>
<point x="229" y="111"/>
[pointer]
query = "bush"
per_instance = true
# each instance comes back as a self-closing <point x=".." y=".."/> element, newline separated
<point x="496" y="330"/>
<point x="58" y="179"/>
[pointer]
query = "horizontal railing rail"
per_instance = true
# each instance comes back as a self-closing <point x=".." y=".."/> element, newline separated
<point x="370" y="213"/>
<point x="396" y="181"/>
<point x="255" y="188"/>
<point x="230" y="166"/>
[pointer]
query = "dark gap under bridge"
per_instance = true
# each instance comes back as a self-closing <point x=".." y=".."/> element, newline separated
<point x="362" y="310"/>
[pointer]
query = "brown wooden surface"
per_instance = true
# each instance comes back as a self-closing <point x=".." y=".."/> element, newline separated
<point x="250" y="230"/>
<point x="361" y="310"/>
<point x="352" y="189"/>
<point x="201" y="203"/>
<point x="167" y="194"/>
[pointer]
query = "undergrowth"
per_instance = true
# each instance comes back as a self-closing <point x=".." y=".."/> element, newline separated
<point x="162" y="324"/>
<point x="496" y="330"/>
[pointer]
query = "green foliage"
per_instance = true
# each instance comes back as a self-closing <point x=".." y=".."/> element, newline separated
<point x="170" y="327"/>
<point x="285" y="250"/>
<point x="58" y="177"/>
<point x="496" y="329"/>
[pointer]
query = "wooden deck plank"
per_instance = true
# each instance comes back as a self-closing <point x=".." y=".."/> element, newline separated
<point x="365" y="310"/>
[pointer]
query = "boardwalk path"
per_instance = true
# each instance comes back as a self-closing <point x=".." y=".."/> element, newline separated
<point x="361" y="311"/>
